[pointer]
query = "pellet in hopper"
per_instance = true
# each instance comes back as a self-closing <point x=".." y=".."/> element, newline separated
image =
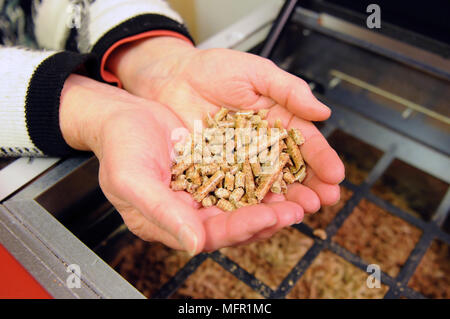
<point x="216" y="149"/>
<point x="239" y="180"/>
<point x="230" y="117"/>
<point x="209" y="201"/>
<point x="180" y="167"/>
<point x="208" y="169"/>
<point x="240" y="122"/>
<point x="210" y="121"/>
<point x="222" y="193"/>
<point x="249" y="180"/>
<point x="191" y="187"/>
<point x="267" y="182"/>
<point x="263" y="113"/>
<point x="221" y="114"/>
<point x="297" y="136"/>
<point x="209" y="186"/>
<point x="256" y="167"/>
<point x="229" y="181"/>
<point x="236" y="195"/>
<point x="178" y="185"/>
<point x="193" y="176"/>
<point x="262" y="125"/>
<point x="276" y="186"/>
<point x="288" y="177"/>
<point x="225" y="205"/>
<point x="245" y="114"/>
<point x="255" y="120"/>
<point x="301" y="174"/>
<point x="234" y="169"/>
<point x="226" y="124"/>
<point x="283" y="186"/>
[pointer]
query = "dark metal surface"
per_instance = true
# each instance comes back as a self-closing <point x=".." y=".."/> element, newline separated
<point x="298" y="51"/>
<point x="423" y="26"/>
<point x="277" y="27"/>
<point x="417" y="53"/>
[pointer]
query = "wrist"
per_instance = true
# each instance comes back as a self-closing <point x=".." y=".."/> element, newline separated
<point x="85" y="108"/>
<point x="157" y="55"/>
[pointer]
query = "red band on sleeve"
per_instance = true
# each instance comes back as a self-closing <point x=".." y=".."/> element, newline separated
<point x="110" y="77"/>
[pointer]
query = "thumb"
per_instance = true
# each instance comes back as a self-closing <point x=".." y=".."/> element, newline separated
<point x="288" y="91"/>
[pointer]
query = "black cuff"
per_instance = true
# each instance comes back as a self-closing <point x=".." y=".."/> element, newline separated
<point x="136" y="25"/>
<point x="43" y="98"/>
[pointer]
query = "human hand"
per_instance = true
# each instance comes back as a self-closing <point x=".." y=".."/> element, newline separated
<point x="193" y="82"/>
<point x="131" y="137"/>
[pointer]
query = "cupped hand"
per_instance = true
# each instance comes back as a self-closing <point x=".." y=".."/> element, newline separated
<point x="132" y="139"/>
<point x="193" y="82"/>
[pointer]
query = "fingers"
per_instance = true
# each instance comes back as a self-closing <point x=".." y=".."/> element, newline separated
<point x="161" y="206"/>
<point x="287" y="90"/>
<point x="285" y="218"/>
<point x="228" y="229"/>
<point x="318" y="153"/>
<point x="304" y="196"/>
<point x="272" y="197"/>
<point x="329" y="194"/>
<point x="187" y="199"/>
<point x="297" y="193"/>
<point x="141" y="227"/>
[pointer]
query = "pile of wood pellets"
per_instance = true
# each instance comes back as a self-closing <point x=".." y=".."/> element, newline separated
<point x="238" y="159"/>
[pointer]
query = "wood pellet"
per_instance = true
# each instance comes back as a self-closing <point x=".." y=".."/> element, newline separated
<point x="243" y="159"/>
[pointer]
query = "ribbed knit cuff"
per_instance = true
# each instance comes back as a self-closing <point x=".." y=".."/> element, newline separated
<point x="136" y="25"/>
<point x="43" y="99"/>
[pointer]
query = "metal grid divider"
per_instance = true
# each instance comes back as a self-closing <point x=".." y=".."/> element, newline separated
<point x="241" y="274"/>
<point x="298" y="271"/>
<point x="397" y="286"/>
<point x="333" y="227"/>
<point x="360" y="192"/>
<point x="176" y="281"/>
<point x="410" y="266"/>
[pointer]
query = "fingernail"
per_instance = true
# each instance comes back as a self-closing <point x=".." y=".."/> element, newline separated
<point x="188" y="239"/>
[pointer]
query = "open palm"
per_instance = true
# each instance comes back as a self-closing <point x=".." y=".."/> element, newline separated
<point x="135" y="175"/>
<point x="192" y="82"/>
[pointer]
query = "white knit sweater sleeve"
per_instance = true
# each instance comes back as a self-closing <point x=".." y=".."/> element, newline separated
<point x="95" y="20"/>
<point x="30" y="86"/>
<point x="17" y="66"/>
<point x="71" y="32"/>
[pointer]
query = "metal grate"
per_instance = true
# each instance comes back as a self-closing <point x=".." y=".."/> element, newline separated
<point x="397" y="285"/>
